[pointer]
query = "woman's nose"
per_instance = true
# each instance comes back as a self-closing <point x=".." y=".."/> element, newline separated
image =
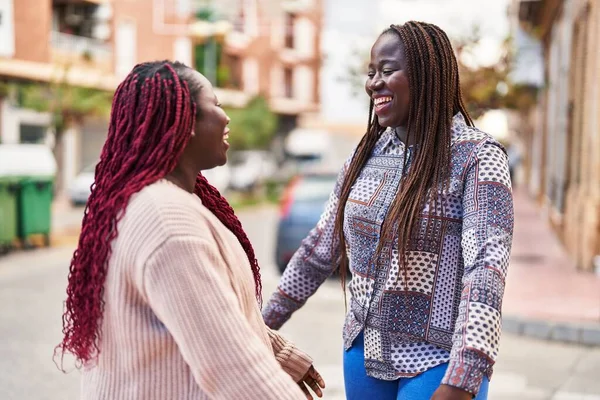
<point x="376" y="83"/>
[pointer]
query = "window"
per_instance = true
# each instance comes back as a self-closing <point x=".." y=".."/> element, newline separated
<point x="288" y="82"/>
<point x="235" y="72"/>
<point x="32" y="134"/>
<point x="74" y="19"/>
<point x="289" y="30"/>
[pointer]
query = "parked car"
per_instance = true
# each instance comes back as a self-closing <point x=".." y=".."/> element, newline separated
<point x="80" y="189"/>
<point x="307" y="147"/>
<point x="250" y="168"/>
<point x="302" y="204"/>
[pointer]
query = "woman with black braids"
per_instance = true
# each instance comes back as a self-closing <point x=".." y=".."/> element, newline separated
<point x="164" y="287"/>
<point x="423" y="215"/>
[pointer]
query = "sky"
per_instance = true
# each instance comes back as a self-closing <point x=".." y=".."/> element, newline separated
<point x="358" y="23"/>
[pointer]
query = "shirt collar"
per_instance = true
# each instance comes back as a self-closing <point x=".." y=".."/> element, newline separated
<point x="458" y="126"/>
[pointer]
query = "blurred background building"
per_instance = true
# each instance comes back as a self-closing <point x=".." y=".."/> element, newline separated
<point x="247" y="48"/>
<point x="291" y="74"/>
<point x="561" y="133"/>
<point x="530" y="78"/>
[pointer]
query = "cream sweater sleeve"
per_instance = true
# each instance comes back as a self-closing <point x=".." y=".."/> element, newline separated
<point x="293" y="360"/>
<point x="186" y="285"/>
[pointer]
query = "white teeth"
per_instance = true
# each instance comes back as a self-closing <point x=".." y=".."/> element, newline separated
<point x="381" y="100"/>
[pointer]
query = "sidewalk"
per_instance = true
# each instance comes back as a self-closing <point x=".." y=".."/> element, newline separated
<point x="546" y="297"/>
<point x="66" y="223"/>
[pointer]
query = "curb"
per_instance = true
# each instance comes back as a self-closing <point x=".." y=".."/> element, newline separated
<point x="572" y="333"/>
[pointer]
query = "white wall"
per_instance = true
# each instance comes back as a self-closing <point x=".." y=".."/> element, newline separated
<point x="304" y="36"/>
<point x="277" y="86"/>
<point x="251" y="20"/>
<point x="13" y="117"/>
<point x="7" y="29"/>
<point x="182" y="50"/>
<point x="70" y="156"/>
<point x="250" y="76"/>
<point x="304" y="83"/>
<point x="125" y="47"/>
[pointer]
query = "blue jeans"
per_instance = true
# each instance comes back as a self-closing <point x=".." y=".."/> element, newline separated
<point x="359" y="386"/>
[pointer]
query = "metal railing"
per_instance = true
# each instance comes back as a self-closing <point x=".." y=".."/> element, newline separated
<point x="94" y="48"/>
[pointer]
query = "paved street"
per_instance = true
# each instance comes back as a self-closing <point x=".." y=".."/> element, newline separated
<point x="32" y="287"/>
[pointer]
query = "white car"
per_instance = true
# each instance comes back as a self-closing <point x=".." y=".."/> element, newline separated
<point x="250" y="168"/>
<point x="80" y="189"/>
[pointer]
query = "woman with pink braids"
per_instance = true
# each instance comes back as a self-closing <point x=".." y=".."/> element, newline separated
<point x="164" y="288"/>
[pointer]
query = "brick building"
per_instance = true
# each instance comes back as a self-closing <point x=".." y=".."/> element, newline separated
<point x="246" y="47"/>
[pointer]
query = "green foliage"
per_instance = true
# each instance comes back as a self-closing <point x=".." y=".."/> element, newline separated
<point x="223" y="76"/>
<point x="222" y="73"/>
<point x="5" y="89"/>
<point x="252" y="127"/>
<point x="206" y="14"/>
<point x="482" y="84"/>
<point x="65" y="103"/>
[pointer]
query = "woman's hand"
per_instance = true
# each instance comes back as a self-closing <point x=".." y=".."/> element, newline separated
<point x="313" y="380"/>
<point x="446" y="392"/>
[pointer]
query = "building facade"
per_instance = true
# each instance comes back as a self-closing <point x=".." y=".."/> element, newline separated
<point x="246" y="47"/>
<point x="563" y="167"/>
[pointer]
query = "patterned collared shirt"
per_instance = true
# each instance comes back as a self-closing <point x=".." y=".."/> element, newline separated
<point x="448" y="306"/>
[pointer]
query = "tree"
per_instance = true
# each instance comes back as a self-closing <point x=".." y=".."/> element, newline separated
<point x="68" y="105"/>
<point x="484" y="87"/>
<point x="252" y="127"/>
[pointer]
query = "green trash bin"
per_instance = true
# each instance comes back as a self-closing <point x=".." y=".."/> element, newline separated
<point x="35" y="208"/>
<point x="9" y="190"/>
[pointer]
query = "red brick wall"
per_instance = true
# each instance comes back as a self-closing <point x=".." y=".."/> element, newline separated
<point x="33" y="22"/>
<point x="150" y="45"/>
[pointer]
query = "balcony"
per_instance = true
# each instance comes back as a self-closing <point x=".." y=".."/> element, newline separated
<point x="299" y="39"/>
<point x="291" y="106"/>
<point x="227" y="26"/>
<point x="86" y="47"/>
<point x="81" y="32"/>
<point x="298" y="6"/>
<point x="80" y="50"/>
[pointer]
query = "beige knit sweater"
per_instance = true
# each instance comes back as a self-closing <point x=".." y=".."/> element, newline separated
<point x="181" y="320"/>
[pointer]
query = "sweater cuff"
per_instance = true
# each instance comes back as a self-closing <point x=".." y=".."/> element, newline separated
<point x="467" y="375"/>
<point x="293" y="361"/>
<point x="296" y="365"/>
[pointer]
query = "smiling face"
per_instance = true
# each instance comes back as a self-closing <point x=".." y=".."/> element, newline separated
<point x="387" y="82"/>
<point x="209" y="143"/>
